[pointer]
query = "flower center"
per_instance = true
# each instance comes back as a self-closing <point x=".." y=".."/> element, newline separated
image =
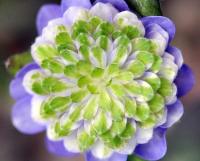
<point x="99" y="80"/>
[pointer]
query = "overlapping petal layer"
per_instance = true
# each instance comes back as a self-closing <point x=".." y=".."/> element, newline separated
<point x="107" y="82"/>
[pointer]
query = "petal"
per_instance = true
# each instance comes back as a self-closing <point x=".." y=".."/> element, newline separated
<point x="16" y="88"/>
<point x="157" y="28"/>
<point x="155" y="149"/>
<point x="71" y="143"/>
<point x="175" y="112"/>
<point x="185" y="80"/>
<point x="177" y="55"/>
<point x="65" y="4"/>
<point x="26" y="69"/>
<point x="164" y="22"/>
<point x="105" y="11"/>
<point x="47" y="13"/>
<point x="75" y="13"/>
<point x="114" y="157"/>
<point x="159" y="39"/>
<point x="121" y="5"/>
<point x="101" y="151"/>
<point x="143" y="135"/>
<point x="21" y="117"/>
<point x="57" y="148"/>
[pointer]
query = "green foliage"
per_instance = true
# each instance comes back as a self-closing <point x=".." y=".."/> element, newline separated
<point x="145" y="7"/>
<point x="17" y="61"/>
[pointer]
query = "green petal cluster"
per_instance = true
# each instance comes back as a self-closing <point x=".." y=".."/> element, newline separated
<point x="102" y="80"/>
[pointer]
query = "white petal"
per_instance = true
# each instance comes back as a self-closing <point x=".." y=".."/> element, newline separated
<point x="129" y="147"/>
<point x="51" y="31"/>
<point x="129" y="18"/>
<point x="163" y="119"/>
<point x="160" y="40"/>
<point x="143" y="135"/>
<point x="169" y="56"/>
<point x="51" y="134"/>
<point x="71" y="143"/>
<point x="38" y="42"/>
<point x="27" y="80"/>
<point x="74" y="14"/>
<point x="100" y="151"/>
<point x="36" y="104"/>
<point x="172" y="99"/>
<point x="168" y="69"/>
<point x="104" y="11"/>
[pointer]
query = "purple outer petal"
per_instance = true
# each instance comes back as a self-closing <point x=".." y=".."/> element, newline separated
<point x="57" y="148"/>
<point x="155" y="149"/>
<point x="185" y="80"/>
<point x="21" y="117"/>
<point x="65" y="4"/>
<point x="121" y="5"/>
<point x="17" y="90"/>
<point x="164" y="22"/>
<point x="177" y="55"/>
<point x="47" y="13"/>
<point x="174" y="113"/>
<point x="156" y="28"/>
<point x="114" y="157"/>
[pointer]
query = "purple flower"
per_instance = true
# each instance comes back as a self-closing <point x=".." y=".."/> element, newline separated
<point x="127" y="49"/>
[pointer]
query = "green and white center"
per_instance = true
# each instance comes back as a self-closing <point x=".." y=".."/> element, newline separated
<point x="101" y="86"/>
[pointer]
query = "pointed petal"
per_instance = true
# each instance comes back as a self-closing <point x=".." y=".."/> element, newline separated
<point x="185" y="80"/>
<point x="47" y="13"/>
<point x="121" y="5"/>
<point x="57" y="148"/>
<point x="65" y="4"/>
<point x="17" y="90"/>
<point x="155" y="149"/>
<point x="175" y="112"/>
<point x="114" y="157"/>
<point x="164" y="22"/>
<point x="21" y="117"/>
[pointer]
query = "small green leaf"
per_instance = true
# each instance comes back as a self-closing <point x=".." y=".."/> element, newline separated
<point x="145" y="7"/>
<point x="17" y="61"/>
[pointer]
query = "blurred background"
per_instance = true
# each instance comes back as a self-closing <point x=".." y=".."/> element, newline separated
<point x="17" y="33"/>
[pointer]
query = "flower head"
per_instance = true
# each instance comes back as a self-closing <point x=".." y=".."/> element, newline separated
<point x="106" y="83"/>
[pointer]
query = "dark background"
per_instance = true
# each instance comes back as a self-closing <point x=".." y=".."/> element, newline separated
<point x="17" y="33"/>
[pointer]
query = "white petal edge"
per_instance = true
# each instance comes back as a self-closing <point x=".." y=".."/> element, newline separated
<point x="104" y="11"/>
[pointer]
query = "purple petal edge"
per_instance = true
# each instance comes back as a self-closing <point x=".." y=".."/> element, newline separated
<point x="21" y="117"/>
<point x="174" y="113"/>
<point x="57" y="148"/>
<point x="177" y="55"/>
<point x="16" y="88"/>
<point x="65" y="4"/>
<point x="164" y="22"/>
<point x="47" y="13"/>
<point x="184" y="81"/>
<point x="155" y="149"/>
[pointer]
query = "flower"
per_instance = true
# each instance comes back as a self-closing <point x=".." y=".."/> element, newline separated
<point x="103" y="82"/>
